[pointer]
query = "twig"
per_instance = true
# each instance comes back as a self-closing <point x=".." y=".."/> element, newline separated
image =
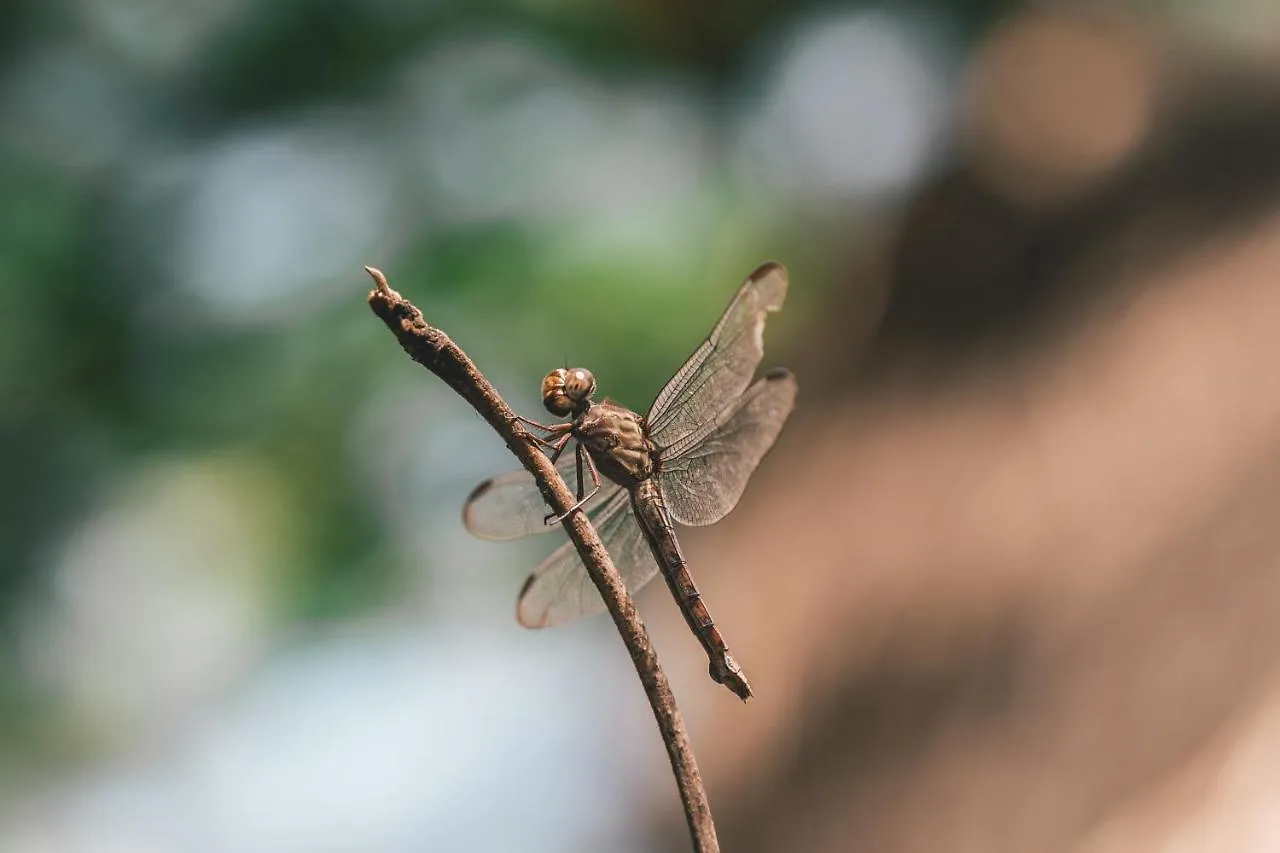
<point x="435" y="351"/>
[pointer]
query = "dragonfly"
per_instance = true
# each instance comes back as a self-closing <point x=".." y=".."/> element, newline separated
<point x="686" y="461"/>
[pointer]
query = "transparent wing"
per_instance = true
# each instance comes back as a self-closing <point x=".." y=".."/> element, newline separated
<point x="705" y="475"/>
<point x="560" y="590"/>
<point x="510" y="506"/>
<point x="719" y="370"/>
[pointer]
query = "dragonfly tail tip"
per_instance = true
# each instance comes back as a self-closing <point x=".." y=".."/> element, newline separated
<point x="729" y="673"/>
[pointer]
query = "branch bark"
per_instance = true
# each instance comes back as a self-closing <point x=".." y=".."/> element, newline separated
<point x="435" y="351"/>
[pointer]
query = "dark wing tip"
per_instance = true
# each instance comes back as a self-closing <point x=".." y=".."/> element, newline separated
<point x="768" y="268"/>
<point x="770" y="280"/>
<point x="520" y="614"/>
<point x="476" y="493"/>
<point x="479" y="490"/>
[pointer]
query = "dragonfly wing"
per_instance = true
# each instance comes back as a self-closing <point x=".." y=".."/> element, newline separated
<point x="510" y="506"/>
<point x="560" y="590"/>
<point x="706" y="473"/>
<point x="719" y="371"/>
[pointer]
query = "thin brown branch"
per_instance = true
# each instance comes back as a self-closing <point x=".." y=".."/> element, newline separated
<point x="434" y="350"/>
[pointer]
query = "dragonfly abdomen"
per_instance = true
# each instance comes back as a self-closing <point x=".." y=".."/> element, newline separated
<point x="655" y="522"/>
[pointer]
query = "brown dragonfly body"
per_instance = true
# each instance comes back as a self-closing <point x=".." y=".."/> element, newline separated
<point x="618" y="444"/>
<point x="687" y="462"/>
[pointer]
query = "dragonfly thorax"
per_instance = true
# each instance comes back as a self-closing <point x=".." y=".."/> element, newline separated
<point x="566" y="392"/>
<point x="618" y="442"/>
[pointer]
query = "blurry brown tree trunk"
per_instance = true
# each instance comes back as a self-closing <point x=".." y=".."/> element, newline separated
<point x="1028" y="595"/>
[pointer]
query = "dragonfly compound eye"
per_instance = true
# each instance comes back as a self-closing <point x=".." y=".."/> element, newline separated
<point x="554" y="398"/>
<point x="579" y="384"/>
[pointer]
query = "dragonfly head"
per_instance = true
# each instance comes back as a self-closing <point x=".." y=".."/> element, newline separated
<point x="567" y="391"/>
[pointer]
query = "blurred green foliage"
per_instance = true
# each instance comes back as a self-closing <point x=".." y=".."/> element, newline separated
<point x="108" y="362"/>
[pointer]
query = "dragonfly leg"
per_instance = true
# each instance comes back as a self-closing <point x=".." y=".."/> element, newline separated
<point x="578" y="453"/>
<point x="582" y="499"/>
<point x="537" y="424"/>
<point x="554" y="431"/>
<point x="558" y="448"/>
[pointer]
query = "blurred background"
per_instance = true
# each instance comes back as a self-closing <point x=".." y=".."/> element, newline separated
<point x="1010" y="580"/>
